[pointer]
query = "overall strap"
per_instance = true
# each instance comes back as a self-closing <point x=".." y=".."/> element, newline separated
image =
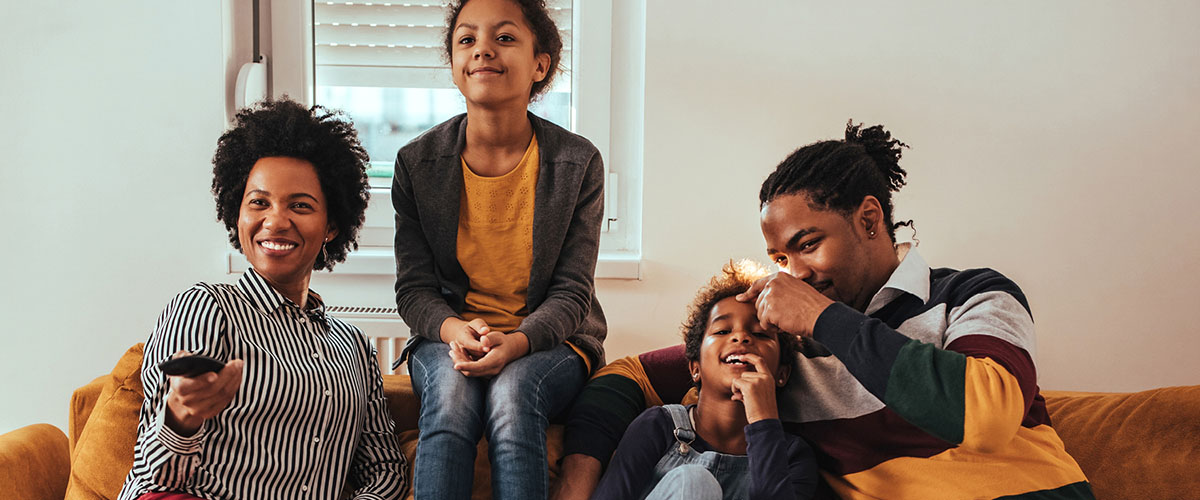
<point x="684" y="433"/>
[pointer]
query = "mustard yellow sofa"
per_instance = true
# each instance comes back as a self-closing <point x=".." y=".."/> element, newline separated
<point x="1143" y="445"/>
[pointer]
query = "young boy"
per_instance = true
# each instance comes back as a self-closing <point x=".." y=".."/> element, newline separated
<point x="730" y="444"/>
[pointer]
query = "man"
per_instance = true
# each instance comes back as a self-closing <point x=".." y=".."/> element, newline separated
<point x="912" y="382"/>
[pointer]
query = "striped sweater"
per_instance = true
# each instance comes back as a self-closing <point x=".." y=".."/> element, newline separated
<point x="931" y="393"/>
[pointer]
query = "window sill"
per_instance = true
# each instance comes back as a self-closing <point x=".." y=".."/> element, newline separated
<point x="376" y="261"/>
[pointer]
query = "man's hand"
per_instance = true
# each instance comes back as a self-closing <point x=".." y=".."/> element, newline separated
<point x="756" y="390"/>
<point x="499" y="350"/>
<point x="787" y="303"/>
<point x="192" y="400"/>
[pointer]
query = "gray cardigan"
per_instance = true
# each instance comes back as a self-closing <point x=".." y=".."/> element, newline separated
<point x="567" y="214"/>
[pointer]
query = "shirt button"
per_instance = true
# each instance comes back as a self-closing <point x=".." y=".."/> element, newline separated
<point x="316" y="354"/>
<point x="304" y="488"/>
<point x="316" y="440"/>
<point x="327" y="392"/>
<point x="303" y="319"/>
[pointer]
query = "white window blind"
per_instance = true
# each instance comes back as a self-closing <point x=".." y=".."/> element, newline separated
<point x="400" y="45"/>
<point x="382" y="63"/>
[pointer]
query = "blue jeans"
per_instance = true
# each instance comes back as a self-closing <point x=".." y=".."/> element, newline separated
<point x="513" y="409"/>
<point x="687" y="482"/>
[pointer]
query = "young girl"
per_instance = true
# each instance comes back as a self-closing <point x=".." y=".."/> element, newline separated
<point x="498" y="217"/>
<point x="730" y="444"/>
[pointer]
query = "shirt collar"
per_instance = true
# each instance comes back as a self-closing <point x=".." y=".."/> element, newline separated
<point x="911" y="276"/>
<point x="267" y="299"/>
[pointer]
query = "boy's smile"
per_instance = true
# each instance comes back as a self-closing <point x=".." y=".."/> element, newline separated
<point x="733" y="343"/>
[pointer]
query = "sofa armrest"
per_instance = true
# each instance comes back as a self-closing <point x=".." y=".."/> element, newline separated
<point x="35" y="463"/>
<point x="1132" y="445"/>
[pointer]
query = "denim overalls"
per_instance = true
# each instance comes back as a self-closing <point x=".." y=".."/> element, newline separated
<point x="731" y="471"/>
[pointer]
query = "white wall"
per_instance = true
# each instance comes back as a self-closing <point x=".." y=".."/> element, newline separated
<point x="1053" y="141"/>
<point x="112" y="111"/>
<point x="1050" y="141"/>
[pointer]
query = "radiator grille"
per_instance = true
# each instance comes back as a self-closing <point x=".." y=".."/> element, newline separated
<point x="383" y="326"/>
<point x="362" y="311"/>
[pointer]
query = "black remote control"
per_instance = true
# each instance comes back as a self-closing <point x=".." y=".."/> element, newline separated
<point x="190" y="366"/>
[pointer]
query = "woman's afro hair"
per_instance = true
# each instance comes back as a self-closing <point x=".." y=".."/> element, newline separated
<point x="325" y="138"/>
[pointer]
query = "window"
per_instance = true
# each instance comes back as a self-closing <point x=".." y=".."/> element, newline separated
<point x="382" y="63"/>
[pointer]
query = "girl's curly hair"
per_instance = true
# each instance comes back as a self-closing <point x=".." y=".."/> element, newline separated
<point x="735" y="277"/>
<point x="547" y="39"/>
<point x="320" y="136"/>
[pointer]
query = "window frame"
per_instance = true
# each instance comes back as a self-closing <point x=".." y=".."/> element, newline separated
<point x="600" y="91"/>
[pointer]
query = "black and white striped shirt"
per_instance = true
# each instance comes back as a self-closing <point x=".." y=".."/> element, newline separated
<point x="310" y="412"/>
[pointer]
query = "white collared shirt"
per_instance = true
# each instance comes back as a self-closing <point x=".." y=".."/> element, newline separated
<point x="911" y="276"/>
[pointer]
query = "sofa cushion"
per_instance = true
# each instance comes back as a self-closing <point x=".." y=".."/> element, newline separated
<point x="1137" y="445"/>
<point x="402" y="401"/>
<point x="103" y="454"/>
<point x="83" y="401"/>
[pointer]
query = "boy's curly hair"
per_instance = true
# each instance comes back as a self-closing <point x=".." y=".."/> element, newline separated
<point x="320" y="136"/>
<point x="735" y="277"/>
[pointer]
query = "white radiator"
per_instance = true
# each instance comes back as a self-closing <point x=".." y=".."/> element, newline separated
<point x="383" y="326"/>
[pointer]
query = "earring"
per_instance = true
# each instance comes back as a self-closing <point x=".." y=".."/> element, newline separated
<point x="695" y="376"/>
<point x="871" y="234"/>
<point x="324" y="257"/>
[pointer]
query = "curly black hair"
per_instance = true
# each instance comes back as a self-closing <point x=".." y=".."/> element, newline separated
<point x="547" y="40"/>
<point x="837" y="175"/>
<point x="320" y="136"/>
<point x="735" y="277"/>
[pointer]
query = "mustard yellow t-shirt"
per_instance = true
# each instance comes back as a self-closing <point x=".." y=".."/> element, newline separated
<point x="495" y="241"/>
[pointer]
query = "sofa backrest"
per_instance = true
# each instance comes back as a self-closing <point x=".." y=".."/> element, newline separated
<point x="1132" y="445"/>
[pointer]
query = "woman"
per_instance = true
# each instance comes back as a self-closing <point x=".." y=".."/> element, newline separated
<point x="298" y="408"/>
<point x="498" y="217"/>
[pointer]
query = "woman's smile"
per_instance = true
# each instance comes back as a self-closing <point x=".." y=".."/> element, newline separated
<point x="283" y="220"/>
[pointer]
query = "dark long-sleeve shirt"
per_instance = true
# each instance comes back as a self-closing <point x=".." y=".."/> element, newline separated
<point x="782" y="466"/>
<point x="568" y="212"/>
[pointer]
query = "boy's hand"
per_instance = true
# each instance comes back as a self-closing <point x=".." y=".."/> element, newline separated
<point x="756" y="390"/>
<point x="786" y="302"/>
<point x="192" y="400"/>
<point x="499" y="350"/>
